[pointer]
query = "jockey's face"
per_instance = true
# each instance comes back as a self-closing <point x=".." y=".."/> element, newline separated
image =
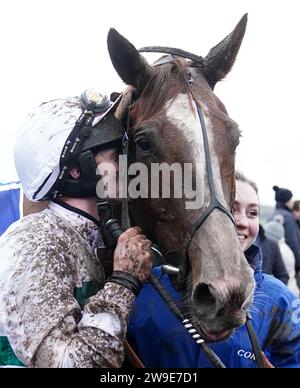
<point x="108" y="167"/>
<point x="246" y="213"/>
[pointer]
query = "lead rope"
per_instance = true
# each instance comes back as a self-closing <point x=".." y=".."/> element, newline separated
<point x="255" y="344"/>
<point x="210" y="354"/>
<point x="132" y="356"/>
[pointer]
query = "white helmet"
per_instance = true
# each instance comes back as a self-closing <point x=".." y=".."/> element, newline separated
<point x="43" y="136"/>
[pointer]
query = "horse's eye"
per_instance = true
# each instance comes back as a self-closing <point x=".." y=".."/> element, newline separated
<point x="143" y="144"/>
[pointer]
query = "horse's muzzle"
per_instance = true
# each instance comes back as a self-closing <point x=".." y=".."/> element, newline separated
<point x="220" y="307"/>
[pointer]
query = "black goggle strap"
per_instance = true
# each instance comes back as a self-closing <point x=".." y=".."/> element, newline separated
<point x="72" y="146"/>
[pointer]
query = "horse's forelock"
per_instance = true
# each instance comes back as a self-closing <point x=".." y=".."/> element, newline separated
<point x="160" y="89"/>
<point x="124" y="103"/>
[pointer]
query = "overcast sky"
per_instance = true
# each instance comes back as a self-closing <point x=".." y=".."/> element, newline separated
<point x="57" y="48"/>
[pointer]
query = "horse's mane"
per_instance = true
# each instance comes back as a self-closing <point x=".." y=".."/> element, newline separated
<point x="161" y="88"/>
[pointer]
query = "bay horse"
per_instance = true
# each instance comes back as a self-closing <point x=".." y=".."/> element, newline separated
<point x="172" y="115"/>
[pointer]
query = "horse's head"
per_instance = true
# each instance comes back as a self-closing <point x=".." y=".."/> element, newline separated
<point x="167" y="103"/>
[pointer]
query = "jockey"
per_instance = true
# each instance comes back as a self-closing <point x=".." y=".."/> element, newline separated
<point x="57" y="309"/>
<point x="160" y="340"/>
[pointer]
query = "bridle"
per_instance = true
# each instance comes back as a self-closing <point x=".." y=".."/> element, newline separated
<point x="176" y="260"/>
<point x="178" y="280"/>
<point x="178" y="269"/>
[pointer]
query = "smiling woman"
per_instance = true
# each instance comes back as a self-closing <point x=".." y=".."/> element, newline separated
<point x="161" y="341"/>
<point x="246" y="210"/>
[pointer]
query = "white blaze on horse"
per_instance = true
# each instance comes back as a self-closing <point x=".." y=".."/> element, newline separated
<point x="173" y="116"/>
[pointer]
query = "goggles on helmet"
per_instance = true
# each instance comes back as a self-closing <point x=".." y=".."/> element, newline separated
<point x="95" y="101"/>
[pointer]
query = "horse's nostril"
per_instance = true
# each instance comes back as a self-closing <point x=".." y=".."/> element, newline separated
<point x="203" y="296"/>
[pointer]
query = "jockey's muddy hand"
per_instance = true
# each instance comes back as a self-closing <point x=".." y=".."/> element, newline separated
<point x="133" y="254"/>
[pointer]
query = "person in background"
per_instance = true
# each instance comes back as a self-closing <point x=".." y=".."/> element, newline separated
<point x="274" y="230"/>
<point x="296" y="212"/>
<point x="284" y="205"/>
<point x="273" y="263"/>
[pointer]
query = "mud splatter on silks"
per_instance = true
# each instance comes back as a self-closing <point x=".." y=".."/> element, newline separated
<point x="46" y="258"/>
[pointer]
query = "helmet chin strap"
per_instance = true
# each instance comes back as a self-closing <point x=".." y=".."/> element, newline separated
<point x="85" y="184"/>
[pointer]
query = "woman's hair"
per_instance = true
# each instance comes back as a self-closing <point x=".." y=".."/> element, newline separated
<point x="296" y="206"/>
<point x="239" y="176"/>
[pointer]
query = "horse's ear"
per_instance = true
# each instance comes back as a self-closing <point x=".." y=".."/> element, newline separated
<point x="220" y="58"/>
<point x="129" y="64"/>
